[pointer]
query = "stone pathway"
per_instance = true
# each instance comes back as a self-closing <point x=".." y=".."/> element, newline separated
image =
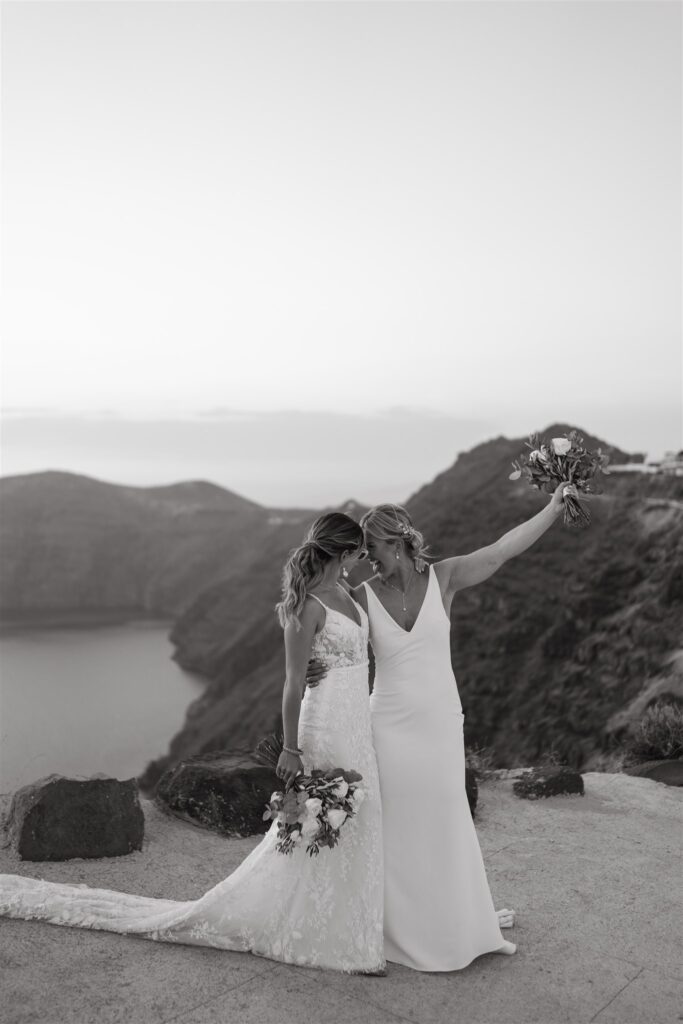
<point x="596" y="881"/>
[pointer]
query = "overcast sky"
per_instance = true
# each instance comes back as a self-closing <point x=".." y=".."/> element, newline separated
<point x="472" y="210"/>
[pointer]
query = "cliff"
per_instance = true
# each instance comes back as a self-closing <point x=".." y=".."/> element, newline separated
<point x="553" y="653"/>
<point x="546" y="652"/>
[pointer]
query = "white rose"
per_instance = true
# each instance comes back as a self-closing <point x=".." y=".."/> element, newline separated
<point x="313" y="806"/>
<point x="336" y="818"/>
<point x="358" y="797"/>
<point x="295" y="836"/>
<point x="341" y="789"/>
<point x="310" y="827"/>
<point x="561" y="445"/>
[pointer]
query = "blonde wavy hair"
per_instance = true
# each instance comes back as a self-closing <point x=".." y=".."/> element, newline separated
<point x="329" y="537"/>
<point x="393" y="523"/>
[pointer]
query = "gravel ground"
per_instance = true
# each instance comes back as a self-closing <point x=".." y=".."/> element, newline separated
<point x="596" y="881"/>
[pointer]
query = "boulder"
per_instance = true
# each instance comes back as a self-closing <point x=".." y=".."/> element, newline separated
<point x="223" y="791"/>
<point x="227" y="792"/>
<point x="550" y="781"/>
<point x="472" y="789"/>
<point x="56" y="818"/>
<point x="669" y="772"/>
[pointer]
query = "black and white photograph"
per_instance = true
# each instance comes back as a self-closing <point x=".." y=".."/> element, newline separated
<point x="341" y="512"/>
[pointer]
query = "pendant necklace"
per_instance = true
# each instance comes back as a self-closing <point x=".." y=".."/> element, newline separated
<point x="398" y="589"/>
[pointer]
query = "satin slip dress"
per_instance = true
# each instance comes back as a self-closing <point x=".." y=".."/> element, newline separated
<point x="438" y="910"/>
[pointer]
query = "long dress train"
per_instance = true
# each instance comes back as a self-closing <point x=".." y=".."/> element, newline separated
<point x="323" y="911"/>
<point x="438" y="911"/>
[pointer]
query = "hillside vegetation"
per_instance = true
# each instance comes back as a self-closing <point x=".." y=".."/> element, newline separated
<point x="545" y="652"/>
<point x="554" y="653"/>
<point x="70" y="543"/>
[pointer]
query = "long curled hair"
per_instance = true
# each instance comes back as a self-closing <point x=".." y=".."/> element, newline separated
<point x="393" y="523"/>
<point x="329" y="537"/>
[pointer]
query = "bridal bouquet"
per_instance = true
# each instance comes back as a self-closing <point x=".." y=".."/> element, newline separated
<point x="314" y="809"/>
<point x="563" y="460"/>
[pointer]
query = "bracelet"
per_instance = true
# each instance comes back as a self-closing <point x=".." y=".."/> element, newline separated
<point x="290" y="750"/>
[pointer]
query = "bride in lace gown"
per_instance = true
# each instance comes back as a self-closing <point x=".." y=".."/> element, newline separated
<point x="324" y="911"/>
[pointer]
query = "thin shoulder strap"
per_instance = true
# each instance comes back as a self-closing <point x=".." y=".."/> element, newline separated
<point x="324" y="608"/>
<point x="369" y="590"/>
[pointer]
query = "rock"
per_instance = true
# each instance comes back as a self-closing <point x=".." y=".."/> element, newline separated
<point x="551" y="781"/>
<point x="57" y="818"/>
<point x="669" y="772"/>
<point x="472" y="789"/>
<point x="223" y="791"/>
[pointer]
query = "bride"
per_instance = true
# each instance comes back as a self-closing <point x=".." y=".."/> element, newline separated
<point x="324" y="911"/>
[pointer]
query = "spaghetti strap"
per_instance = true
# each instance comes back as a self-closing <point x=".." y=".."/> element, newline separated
<point x="324" y="608"/>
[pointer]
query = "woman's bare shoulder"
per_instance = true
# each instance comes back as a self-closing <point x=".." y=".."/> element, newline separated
<point x="313" y="613"/>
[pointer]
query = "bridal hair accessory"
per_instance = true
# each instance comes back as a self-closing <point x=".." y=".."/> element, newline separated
<point x="405" y="529"/>
<point x="315" y="808"/>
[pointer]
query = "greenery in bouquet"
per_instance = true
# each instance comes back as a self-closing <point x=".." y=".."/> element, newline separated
<point x="314" y="809"/>
<point x="563" y="460"/>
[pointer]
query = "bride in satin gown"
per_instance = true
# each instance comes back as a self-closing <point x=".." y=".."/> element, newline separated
<point x="438" y="910"/>
<point x="323" y="911"/>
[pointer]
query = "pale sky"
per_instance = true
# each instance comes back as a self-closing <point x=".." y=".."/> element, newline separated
<point x="468" y="209"/>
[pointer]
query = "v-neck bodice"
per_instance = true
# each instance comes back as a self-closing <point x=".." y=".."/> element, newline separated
<point x="341" y="642"/>
<point x="425" y="598"/>
<point x="412" y="667"/>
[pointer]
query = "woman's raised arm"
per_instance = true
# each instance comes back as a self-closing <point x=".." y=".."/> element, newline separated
<point x="468" y="570"/>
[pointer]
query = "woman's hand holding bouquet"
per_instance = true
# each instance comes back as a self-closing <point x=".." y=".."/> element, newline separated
<point x="314" y="809"/>
<point x="563" y="468"/>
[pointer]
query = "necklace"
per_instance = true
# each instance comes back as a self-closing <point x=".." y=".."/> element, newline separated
<point x="335" y="587"/>
<point x="398" y="589"/>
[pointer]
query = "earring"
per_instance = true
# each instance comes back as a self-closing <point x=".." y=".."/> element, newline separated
<point x="345" y="572"/>
<point x="397" y="555"/>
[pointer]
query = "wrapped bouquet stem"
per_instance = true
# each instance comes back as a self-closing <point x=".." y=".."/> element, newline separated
<point x="563" y="460"/>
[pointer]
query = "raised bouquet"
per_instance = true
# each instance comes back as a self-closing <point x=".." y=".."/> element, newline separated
<point x="563" y="460"/>
<point x="314" y="809"/>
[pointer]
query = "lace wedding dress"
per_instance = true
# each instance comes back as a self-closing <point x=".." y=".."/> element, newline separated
<point x="323" y="911"/>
